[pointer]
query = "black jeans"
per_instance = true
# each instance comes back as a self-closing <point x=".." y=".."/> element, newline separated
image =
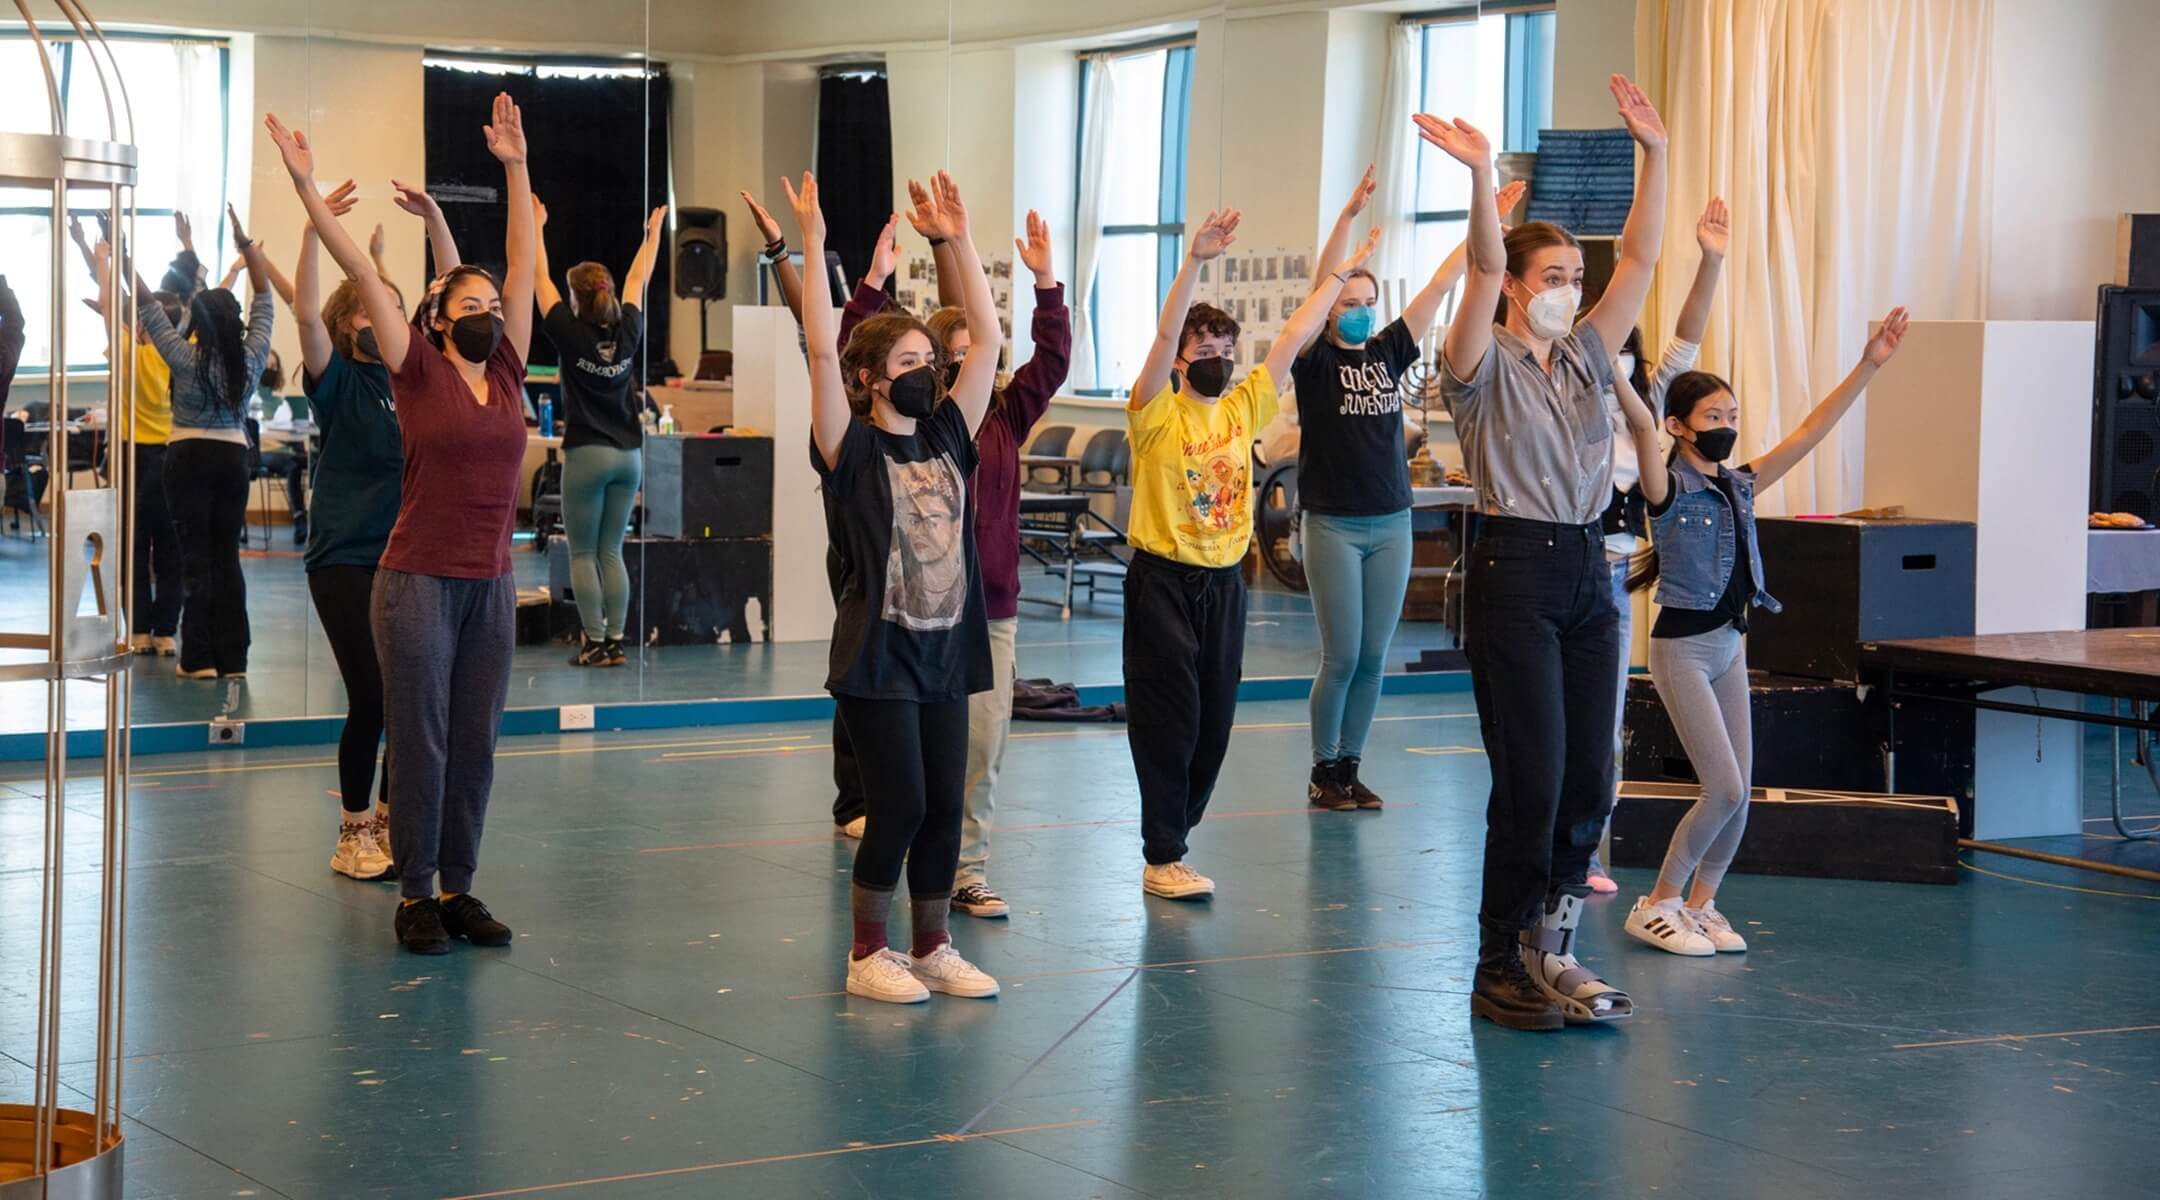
<point x="206" y="486"/>
<point x="342" y="598"/>
<point x="1184" y="655"/>
<point x="914" y="771"/>
<point x="1542" y="637"/>
<point x="160" y="584"/>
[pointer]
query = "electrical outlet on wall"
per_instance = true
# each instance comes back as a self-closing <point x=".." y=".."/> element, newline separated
<point x="575" y="716"/>
<point x="225" y="732"/>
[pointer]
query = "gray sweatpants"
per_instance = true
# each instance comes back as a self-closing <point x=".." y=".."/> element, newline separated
<point x="1704" y="684"/>
<point x="444" y="645"/>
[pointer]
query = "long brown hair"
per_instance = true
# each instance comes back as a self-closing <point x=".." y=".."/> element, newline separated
<point x="342" y="306"/>
<point x="868" y="348"/>
<point x="593" y="286"/>
<point x="1524" y="241"/>
<point x="950" y="320"/>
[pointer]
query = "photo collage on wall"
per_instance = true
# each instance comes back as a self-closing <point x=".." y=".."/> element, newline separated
<point x="1259" y="290"/>
<point x="916" y="288"/>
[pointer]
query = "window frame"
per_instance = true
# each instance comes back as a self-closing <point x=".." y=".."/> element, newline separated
<point x="66" y="44"/>
<point x="1514" y="86"/>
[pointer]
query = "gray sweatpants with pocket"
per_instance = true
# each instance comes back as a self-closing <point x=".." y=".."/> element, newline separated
<point x="445" y="646"/>
<point x="1704" y="683"/>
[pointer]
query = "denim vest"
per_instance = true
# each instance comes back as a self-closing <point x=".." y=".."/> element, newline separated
<point x="1695" y="537"/>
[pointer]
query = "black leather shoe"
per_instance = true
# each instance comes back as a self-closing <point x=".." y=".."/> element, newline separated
<point x="1503" y="992"/>
<point x="464" y="916"/>
<point x="1326" y="789"/>
<point x="1346" y="774"/>
<point x="420" y="927"/>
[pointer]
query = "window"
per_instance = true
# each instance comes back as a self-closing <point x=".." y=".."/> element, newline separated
<point x="1143" y="205"/>
<point x="177" y="91"/>
<point x="1511" y="105"/>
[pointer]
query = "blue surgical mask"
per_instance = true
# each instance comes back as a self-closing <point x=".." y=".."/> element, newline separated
<point x="1356" y="324"/>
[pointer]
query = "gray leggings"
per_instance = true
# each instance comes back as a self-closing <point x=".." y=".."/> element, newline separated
<point x="1703" y="681"/>
<point x="599" y="483"/>
<point x="444" y="646"/>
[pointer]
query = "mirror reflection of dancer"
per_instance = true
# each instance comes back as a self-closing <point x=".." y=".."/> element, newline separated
<point x="1707" y="564"/>
<point x="359" y="464"/>
<point x="1016" y="405"/>
<point x="597" y="336"/>
<point x="1354" y="488"/>
<point x="1540" y="628"/>
<point x="909" y="641"/>
<point x="1192" y="439"/>
<point x="444" y="605"/>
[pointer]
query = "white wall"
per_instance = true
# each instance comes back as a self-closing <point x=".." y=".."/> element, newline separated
<point x="1593" y="40"/>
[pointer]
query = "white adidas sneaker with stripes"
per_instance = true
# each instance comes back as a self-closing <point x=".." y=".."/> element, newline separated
<point x="1667" y="927"/>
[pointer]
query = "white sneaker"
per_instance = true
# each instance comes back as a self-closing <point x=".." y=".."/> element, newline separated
<point x="379" y="825"/>
<point x="166" y="647"/>
<point x="885" y="976"/>
<point x="854" y="828"/>
<point x="1715" y="927"/>
<point x="945" y="971"/>
<point x="1176" y="881"/>
<point x="373" y="860"/>
<point x="345" y="860"/>
<point x="1667" y="926"/>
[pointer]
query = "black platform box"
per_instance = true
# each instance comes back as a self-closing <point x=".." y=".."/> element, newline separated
<point x="682" y="593"/>
<point x="1844" y="582"/>
<point x="708" y="486"/>
<point x="1817" y="834"/>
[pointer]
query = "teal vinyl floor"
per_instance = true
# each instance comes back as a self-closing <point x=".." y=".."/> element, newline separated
<point x="667" y="1023"/>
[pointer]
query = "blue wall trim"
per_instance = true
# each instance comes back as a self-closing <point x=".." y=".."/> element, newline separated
<point x="655" y="714"/>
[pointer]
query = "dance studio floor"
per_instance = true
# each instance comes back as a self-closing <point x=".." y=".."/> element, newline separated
<point x="666" y="1024"/>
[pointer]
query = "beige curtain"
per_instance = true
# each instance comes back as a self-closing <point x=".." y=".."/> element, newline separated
<point x="1852" y="140"/>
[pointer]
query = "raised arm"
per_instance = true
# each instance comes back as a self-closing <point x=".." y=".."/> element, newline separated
<point x="1713" y="232"/>
<point x="545" y="293"/>
<point x="775" y="252"/>
<point x="232" y="273"/>
<point x="1643" y="236"/>
<point x="417" y="202"/>
<point x="1470" y="335"/>
<point x="393" y="336"/>
<point x="1643" y="429"/>
<point x="1424" y="308"/>
<point x="648" y="252"/>
<point x="1302" y="325"/>
<point x="978" y="371"/>
<point x="1787" y="454"/>
<point x="1217" y="231"/>
<point x="258" y="263"/>
<point x="923" y="216"/>
<point x="829" y="415"/>
<point x="1338" y="238"/>
<point x="506" y="141"/>
<point x="315" y="344"/>
<point x="869" y="298"/>
<point x="1035" y="381"/>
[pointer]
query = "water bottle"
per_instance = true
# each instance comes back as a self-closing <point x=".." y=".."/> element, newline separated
<point x="547" y="416"/>
<point x="667" y="419"/>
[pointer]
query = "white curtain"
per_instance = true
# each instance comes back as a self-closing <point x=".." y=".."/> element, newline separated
<point x="1851" y="139"/>
<point x="199" y="164"/>
<point x="1394" y="204"/>
<point x="1087" y="217"/>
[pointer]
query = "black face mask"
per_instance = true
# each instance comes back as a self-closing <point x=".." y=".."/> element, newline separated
<point x="1716" y="444"/>
<point x="477" y="336"/>
<point x="1209" y="376"/>
<point x="914" y="393"/>
<point x="952" y="375"/>
<point x="364" y="342"/>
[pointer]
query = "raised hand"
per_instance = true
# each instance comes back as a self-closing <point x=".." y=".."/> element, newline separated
<point x="183" y="230"/>
<point x="506" y="132"/>
<point x="413" y="199"/>
<point x="1508" y="197"/>
<point x="342" y="198"/>
<point x="1362" y="251"/>
<point x="922" y="211"/>
<point x="1362" y="194"/>
<point x="1638" y="114"/>
<point x="1035" y="250"/>
<point x="539" y="213"/>
<point x="292" y="146"/>
<point x="1885" y="343"/>
<point x="768" y="228"/>
<point x="654" y="221"/>
<point x="808" y="216"/>
<point x="376" y="243"/>
<point x="952" y="215"/>
<point x="240" y="237"/>
<point x="1713" y="230"/>
<point x="885" y="254"/>
<point x="1217" y="231"/>
<point x="1458" y="138"/>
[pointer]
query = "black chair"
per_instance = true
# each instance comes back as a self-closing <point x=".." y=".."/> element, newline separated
<point x="1050" y="442"/>
<point x="25" y="475"/>
<point x="1099" y="458"/>
<point x="547" y="510"/>
<point x="1121" y="466"/>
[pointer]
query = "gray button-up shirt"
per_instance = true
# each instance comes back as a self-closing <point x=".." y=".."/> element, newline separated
<point x="1537" y="446"/>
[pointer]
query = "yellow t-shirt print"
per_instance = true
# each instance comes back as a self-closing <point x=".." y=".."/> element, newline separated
<point x="1192" y="472"/>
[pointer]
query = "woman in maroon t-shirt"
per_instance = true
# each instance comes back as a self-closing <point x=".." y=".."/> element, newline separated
<point x="445" y="605"/>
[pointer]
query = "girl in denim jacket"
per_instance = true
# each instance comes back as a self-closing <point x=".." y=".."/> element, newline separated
<point x="1707" y="564"/>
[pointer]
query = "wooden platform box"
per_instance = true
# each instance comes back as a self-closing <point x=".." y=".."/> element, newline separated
<point x="1794" y="831"/>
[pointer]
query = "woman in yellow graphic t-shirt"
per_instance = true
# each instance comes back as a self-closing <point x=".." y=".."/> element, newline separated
<point x="1192" y="436"/>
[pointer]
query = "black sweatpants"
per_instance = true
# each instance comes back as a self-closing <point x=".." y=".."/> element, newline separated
<point x="1184" y="655"/>
<point x="160" y="584"/>
<point x="343" y="595"/>
<point x="914" y="770"/>
<point x="206" y="486"/>
<point x="1542" y="637"/>
<point x="846" y="775"/>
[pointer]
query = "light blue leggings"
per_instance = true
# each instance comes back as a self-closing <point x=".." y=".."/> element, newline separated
<point x="599" y="483"/>
<point x="1357" y="569"/>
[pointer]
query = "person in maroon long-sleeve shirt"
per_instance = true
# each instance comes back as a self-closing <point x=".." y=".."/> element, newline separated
<point x="1016" y="406"/>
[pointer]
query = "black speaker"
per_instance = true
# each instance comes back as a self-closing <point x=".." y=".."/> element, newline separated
<point x="2137" y="250"/>
<point x="2126" y="402"/>
<point x="1843" y="582"/>
<point x="708" y="486"/>
<point x="700" y="254"/>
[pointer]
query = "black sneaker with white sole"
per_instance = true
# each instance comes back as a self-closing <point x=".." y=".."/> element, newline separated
<point x="464" y="916"/>
<point x="420" y="927"/>
<point x="978" y="901"/>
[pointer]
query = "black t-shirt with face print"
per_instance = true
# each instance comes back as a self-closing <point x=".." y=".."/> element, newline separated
<point x="1352" y="461"/>
<point x="910" y="622"/>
